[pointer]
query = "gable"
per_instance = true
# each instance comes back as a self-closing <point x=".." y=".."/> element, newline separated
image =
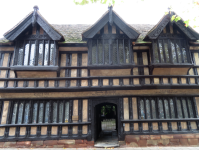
<point x="112" y="18"/>
<point x="166" y="21"/>
<point x="30" y="20"/>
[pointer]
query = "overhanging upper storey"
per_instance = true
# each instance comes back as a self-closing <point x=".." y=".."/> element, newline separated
<point x="112" y="18"/>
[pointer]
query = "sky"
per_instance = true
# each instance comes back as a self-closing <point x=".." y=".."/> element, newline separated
<point x="66" y="12"/>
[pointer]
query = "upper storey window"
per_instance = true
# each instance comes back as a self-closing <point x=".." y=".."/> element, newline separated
<point x="35" y="53"/>
<point x="111" y="52"/>
<point x="171" y="50"/>
<point x="110" y="42"/>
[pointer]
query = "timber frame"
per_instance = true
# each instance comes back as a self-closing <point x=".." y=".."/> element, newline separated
<point x="79" y="80"/>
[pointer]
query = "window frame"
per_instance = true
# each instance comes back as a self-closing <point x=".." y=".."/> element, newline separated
<point x="167" y="38"/>
<point x="110" y="38"/>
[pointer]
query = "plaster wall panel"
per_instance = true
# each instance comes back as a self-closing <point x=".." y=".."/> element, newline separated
<point x="84" y="59"/>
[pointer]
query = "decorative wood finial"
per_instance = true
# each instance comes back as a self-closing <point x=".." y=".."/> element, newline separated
<point x="36" y="8"/>
<point x="110" y="14"/>
<point x="34" y="16"/>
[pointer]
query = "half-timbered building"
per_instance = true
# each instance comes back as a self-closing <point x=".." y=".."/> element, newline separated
<point x="74" y="85"/>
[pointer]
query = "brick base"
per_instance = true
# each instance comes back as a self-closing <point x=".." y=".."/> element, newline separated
<point x="49" y="144"/>
<point x="162" y="140"/>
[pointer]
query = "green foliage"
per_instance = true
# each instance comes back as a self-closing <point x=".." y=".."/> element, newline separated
<point x="186" y="23"/>
<point x="84" y="2"/>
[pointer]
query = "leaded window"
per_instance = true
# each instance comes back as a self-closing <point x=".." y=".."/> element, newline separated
<point x="166" y="108"/>
<point x="171" y="50"/>
<point x="23" y="112"/>
<point x="111" y="52"/>
<point x="35" y="53"/>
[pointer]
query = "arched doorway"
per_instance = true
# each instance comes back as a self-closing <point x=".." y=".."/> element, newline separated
<point x="105" y="123"/>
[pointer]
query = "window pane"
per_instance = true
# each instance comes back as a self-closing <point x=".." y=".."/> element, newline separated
<point x="61" y="111"/>
<point x="142" y="109"/>
<point x="172" y="108"/>
<point x="173" y="52"/>
<point x="121" y="54"/>
<point x="54" y="111"/>
<point x="178" y="51"/>
<point x="126" y="47"/>
<point x="14" y="113"/>
<point x="114" y="54"/>
<point x="46" y="53"/>
<point x="41" y="112"/>
<point x="20" y="54"/>
<point x="166" y="106"/>
<point x="52" y="53"/>
<point x="161" y="51"/>
<point x="40" y="53"/>
<point x="166" y="51"/>
<point x="66" y="111"/>
<point x="20" y="113"/>
<point x="26" y="54"/>
<point x="148" y="112"/>
<point x="27" y="108"/>
<point x="153" y="109"/>
<point x="155" y="48"/>
<point x="47" y="112"/>
<point x="190" y="108"/>
<point x="161" y="110"/>
<point x="106" y="51"/>
<point x="34" y="118"/>
<point x="179" y="108"/>
<point x="94" y="51"/>
<point x="100" y="51"/>
<point x="184" y="53"/>
<point x="184" y="105"/>
<point x="32" y="54"/>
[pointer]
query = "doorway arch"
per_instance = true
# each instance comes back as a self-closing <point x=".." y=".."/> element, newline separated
<point x="96" y="115"/>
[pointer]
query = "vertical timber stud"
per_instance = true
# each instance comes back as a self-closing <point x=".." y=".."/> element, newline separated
<point x="80" y="117"/>
<point x="89" y="52"/>
<point x="195" y="111"/>
<point x="70" y="118"/>
<point x="121" y="133"/>
<point x="89" y="138"/>
<point x="130" y="114"/>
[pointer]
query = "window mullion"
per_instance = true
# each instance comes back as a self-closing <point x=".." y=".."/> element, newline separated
<point x="16" y="120"/>
<point x="159" y="56"/>
<point x="38" y="105"/>
<point x="29" y="53"/>
<point x="55" y="54"/>
<point x="103" y="51"/>
<point x="189" y="59"/>
<point x="131" y="58"/>
<point x="57" y="119"/>
<point x="124" y="56"/>
<point x="176" y="50"/>
<point x="44" y="110"/>
<point x="35" y="53"/>
<point x="181" y="50"/>
<point x="170" y="51"/>
<point x="63" y="117"/>
<point x="23" y="113"/>
<point x="164" y="51"/>
<point x="43" y="53"/>
<point x="24" y="43"/>
<point x="110" y="52"/>
<point x="183" y="113"/>
<point x="48" y="62"/>
<point x="97" y="53"/>
<point x="118" y="58"/>
<point x="163" y="103"/>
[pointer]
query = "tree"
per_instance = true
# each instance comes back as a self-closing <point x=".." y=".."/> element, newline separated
<point x="194" y="4"/>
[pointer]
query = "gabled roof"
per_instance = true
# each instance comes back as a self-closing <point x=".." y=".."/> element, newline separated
<point x="31" y="19"/>
<point x="157" y="29"/>
<point x="112" y="17"/>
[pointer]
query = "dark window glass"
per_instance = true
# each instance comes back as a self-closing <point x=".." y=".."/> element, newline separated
<point x="142" y="109"/>
<point x="118" y="49"/>
<point x="21" y="112"/>
<point x="28" y="54"/>
<point x="176" y="48"/>
<point x="166" y="108"/>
